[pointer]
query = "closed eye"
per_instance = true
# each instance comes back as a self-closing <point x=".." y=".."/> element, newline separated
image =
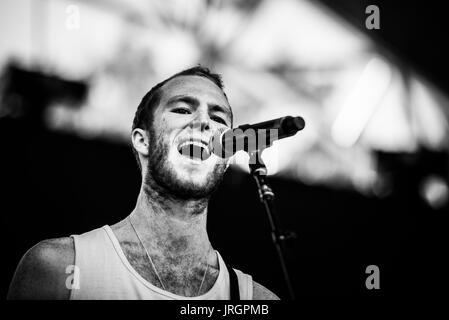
<point x="181" y="110"/>
<point x="219" y="120"/>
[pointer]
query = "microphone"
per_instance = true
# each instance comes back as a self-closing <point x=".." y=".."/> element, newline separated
<point x="254" y="137"/>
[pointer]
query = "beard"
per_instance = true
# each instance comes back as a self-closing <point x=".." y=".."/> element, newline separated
<point x="162" y="177"/>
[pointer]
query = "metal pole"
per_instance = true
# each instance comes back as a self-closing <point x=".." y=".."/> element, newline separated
<point x="259" y="171"/>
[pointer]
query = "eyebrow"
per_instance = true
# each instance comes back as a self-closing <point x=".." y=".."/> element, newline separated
<point x="194" y="101"/>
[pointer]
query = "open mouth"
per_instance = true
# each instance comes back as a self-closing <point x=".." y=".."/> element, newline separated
<point x="194" y="149"/>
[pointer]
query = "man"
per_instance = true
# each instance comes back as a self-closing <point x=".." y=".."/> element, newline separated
<point x="161" y="250"/>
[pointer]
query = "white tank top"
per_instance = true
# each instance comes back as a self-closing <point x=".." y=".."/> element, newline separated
<point x="106" y="274"/>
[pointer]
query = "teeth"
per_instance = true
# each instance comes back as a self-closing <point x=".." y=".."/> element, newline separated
<point x="194" y="149"/>
<point x="196" y="143"/>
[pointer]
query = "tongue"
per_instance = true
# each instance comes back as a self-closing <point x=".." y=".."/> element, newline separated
<point x="195" y="152"/>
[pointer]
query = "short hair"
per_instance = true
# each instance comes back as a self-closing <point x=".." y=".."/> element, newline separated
<point x="143" y="117"/>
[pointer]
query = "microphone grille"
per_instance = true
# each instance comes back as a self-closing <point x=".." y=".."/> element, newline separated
<point x="293" y="124"/>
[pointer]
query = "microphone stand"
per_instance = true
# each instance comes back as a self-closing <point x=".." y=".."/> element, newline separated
<point x="259" y="171"/>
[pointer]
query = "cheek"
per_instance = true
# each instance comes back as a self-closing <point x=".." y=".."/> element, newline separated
<point x="168" y="128"/>
<point x="162" y="133"/>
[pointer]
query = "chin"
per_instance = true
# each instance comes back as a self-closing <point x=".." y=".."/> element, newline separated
<point x="195" y="176"/>
<point x="200" y="181"/>
<point x="197" y="183"/>
<point x="192" y="188"/>
<point x="185" y="178"/>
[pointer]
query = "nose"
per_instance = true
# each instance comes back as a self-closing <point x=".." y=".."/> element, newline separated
<point x="202" y="120"/>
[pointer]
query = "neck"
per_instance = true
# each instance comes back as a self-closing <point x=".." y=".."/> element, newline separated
<point x="174" y="229"/>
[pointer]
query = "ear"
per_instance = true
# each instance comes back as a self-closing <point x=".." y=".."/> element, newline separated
<point x="139" y="138"/>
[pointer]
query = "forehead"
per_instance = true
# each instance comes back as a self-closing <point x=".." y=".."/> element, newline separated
<point x="196" y="86"/>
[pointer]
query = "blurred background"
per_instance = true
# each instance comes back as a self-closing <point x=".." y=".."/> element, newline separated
<point x="365" y="183"/>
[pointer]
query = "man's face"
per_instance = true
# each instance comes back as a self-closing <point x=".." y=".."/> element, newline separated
<point x="191" y="110"/>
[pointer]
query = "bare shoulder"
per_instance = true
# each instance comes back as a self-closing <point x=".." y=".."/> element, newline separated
<point x="262" y="293"/>
<point x="41" y="273"/>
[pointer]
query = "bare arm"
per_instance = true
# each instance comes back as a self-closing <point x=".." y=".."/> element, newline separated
<point x="262" y="293"/>
<point x="41" y="273"/>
